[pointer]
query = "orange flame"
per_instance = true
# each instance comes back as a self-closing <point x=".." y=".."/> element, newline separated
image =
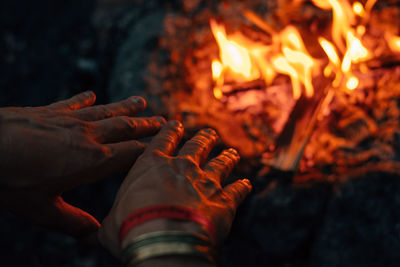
<point x="330" y="51"/>
<point x="343" y="29"/>
<point x="393" y="42"/>
<point x="289" y="57"/>
<point x="233" y="55"/>
<point x="217" y="69"/>
<point x="358" y="9"/>
<point x="244" y="59"/>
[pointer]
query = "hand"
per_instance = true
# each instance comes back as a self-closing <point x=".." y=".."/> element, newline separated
<point x="159" y="178"/>
<point x="48" y="150"/>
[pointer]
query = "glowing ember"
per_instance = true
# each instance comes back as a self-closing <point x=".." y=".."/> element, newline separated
<point x="330" y="50"/>
<point x="352" y="83"/>
<point x="393" y="42"/>
<point x="217" y="93"/>
<point x="217" y="69"/>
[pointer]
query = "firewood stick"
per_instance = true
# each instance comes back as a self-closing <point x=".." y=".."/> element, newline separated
<point x="290" y="144"/>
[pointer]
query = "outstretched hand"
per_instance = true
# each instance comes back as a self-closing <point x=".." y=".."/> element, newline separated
<point x="159" y="178"/>
<point x="48" y="150"/>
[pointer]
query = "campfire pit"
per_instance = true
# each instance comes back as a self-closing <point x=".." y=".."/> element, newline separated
<point x="252" y="106"/>
<point x="305" y="149"/>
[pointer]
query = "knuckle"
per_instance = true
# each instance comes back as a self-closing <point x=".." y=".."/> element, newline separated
<point x="228" y="161"/>
<point x="155" y="154"/>
<point x="205" y="139"/>
<point x="151" y="157"/>
<point x="229" y="203"/>
<point x="101" y="109"/>
<point x="78" y="125"/>
<point x="208" y="184"/>
<point x="199" y="140"/>
<point x="219" y="161"/>
<point x="107" y="151"/>
<point x="232" y="153"/>
<point x="127" y="122"/>
<point x="186" y="162"/>
<point x="169" y="137"/>
<point x="173" y="130"/>
<point x="69" y="104"/>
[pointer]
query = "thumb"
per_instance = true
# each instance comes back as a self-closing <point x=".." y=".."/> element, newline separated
<point x="54" y="213"/>
<point x="78" y="101"/>
<point x="71" y="220"/>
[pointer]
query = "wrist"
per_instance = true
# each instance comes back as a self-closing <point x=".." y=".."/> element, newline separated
<point x="169" y="244"/>
<point x="165" y="231"/>
<point x="180" y="216"/>
<point x="162" y="225"/>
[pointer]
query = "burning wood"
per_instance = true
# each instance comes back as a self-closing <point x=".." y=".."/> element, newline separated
<point x="238" y="92"/>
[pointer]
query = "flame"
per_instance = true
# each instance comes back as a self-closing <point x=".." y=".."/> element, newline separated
<point x="352" y="83"/>
<point x="356" y="50"/>
<point x="240" y="58"/>
<point x="233" y="55"/>
<point x="330" y="50"/>
<point x="216" y="68"/>
<point x="347" y="37"/>
<point x="289" y="57"/>
<point x="217" y="93"/>
<point x="283" y="66"/>
<point x="393" y="42"/>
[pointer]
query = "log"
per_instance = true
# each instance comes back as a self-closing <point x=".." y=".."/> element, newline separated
<point x="290" y="144"/>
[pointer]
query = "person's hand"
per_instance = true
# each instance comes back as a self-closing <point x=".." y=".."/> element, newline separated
<point x="158" y="178"/>
<point x="47" y="150"/>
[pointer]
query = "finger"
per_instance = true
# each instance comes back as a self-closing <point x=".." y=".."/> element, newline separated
<point x="121" y="158"/>
<point x="78" y="101"/>
<point x="56" y="214"/>
<point x="71" y="220"/>
<point x="127" y="107"/>
<point x="110" y="159"/>
<point x="221" y="166"/>
<point x="125" y="128"/>
<point x="200" y="145"/>
<point x="238" y="191"/>
<point x="167" y="139"/>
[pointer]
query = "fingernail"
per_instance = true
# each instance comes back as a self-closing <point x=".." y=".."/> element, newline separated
<point x="233" y="151"/>
<point x="138" y="101"/>
<point x="161" y="120"/>
<point x="210" y="131"/>
<point x="246" y="181"/>
<point x="175" y="124"/>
